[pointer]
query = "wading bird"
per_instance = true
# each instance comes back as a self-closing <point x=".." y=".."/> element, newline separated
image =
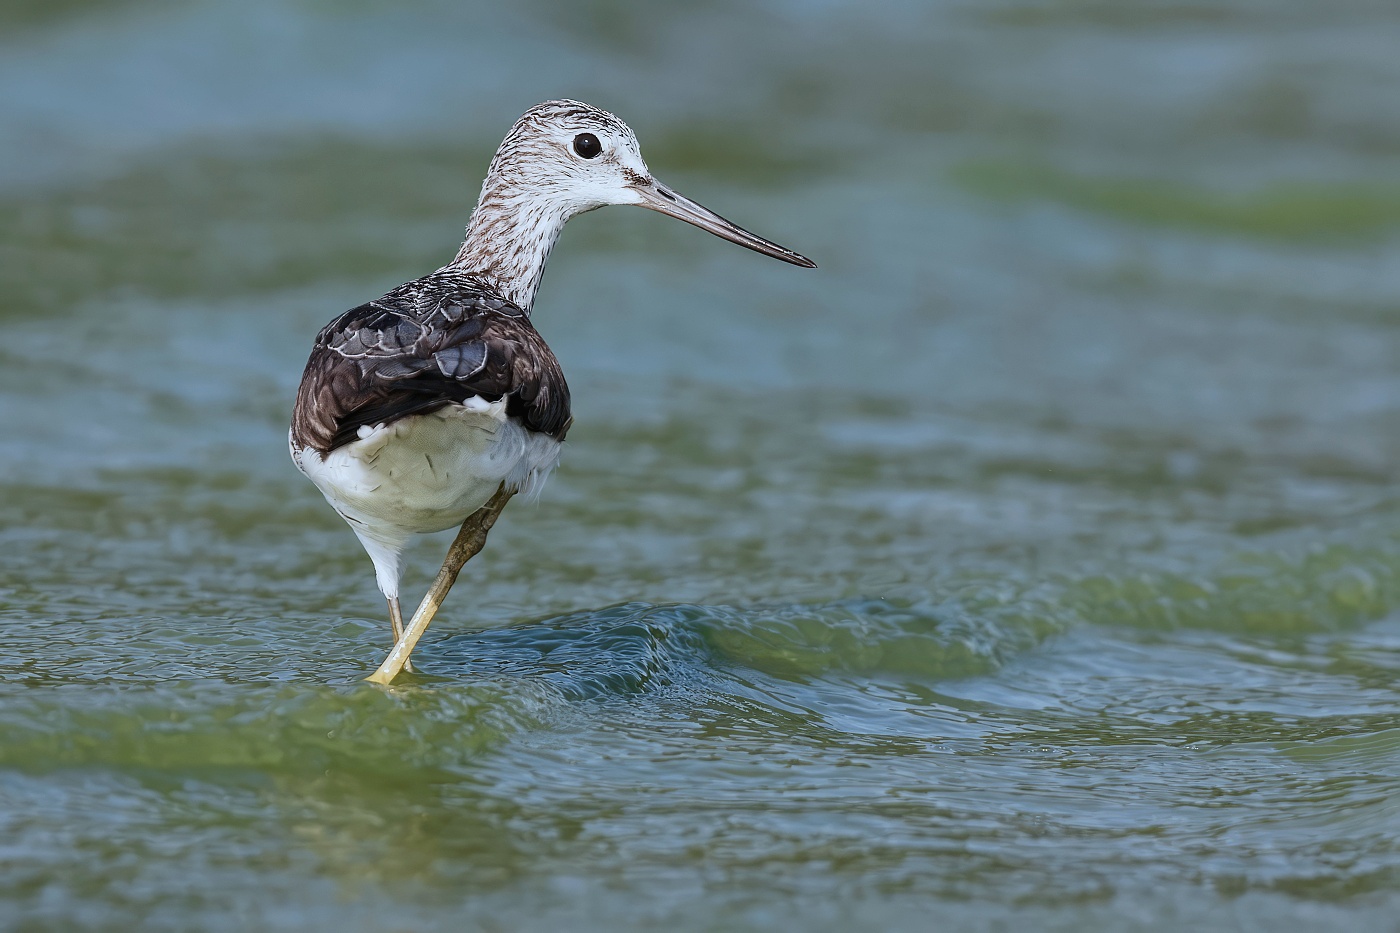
<point x="433" y="405"/>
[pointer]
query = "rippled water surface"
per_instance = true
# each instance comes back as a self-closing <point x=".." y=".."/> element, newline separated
<point x="1033" y="564"/>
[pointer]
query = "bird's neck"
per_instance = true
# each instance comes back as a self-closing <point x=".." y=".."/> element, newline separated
<point x="509" y="238"/>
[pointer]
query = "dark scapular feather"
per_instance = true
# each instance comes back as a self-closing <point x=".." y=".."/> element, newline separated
<point x="439" y="340"/>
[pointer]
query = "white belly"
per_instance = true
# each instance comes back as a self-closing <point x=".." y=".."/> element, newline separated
<point x="427" y="472"/>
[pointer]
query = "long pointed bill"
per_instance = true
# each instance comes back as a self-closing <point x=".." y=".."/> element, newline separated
<point x="659" y="198"/>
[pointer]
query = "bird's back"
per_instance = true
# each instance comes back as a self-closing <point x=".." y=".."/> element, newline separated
<point x="436" y="341"/>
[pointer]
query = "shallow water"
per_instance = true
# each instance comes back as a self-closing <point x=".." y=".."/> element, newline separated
<point x="1036" y="561"/>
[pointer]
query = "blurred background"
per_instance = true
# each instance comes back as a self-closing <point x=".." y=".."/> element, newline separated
<point x="1034" y="560"/>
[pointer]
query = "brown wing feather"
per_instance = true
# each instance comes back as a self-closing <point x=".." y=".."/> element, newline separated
<point x="430" y="343"/>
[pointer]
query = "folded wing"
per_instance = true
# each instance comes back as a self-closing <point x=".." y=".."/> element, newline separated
<point x="430" y="343"/>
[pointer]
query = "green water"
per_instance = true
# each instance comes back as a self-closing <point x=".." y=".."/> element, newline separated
<point x="1033" y="564"/>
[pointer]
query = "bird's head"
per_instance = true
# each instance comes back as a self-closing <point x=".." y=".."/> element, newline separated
<point x="577" y="158"/>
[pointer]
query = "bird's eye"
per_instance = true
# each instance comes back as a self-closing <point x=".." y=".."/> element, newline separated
<point x="587" y="145"/>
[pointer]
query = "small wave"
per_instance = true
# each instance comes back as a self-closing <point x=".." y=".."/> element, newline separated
<point x="963" y="628"/>
<point x="623" y="649"/>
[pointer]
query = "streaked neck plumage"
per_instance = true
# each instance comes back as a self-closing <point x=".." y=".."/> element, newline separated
<point x="510" y="236"/>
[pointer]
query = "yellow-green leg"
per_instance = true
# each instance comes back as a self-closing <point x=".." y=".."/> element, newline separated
<point x="396" y="620"/>
<point x="468" y="543"/>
